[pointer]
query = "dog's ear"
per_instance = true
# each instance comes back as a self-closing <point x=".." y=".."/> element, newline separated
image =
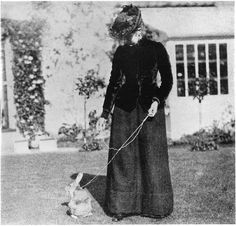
<point x="78" y="178"/>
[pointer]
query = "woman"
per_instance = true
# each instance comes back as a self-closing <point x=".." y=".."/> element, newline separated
<point x="138" y="178"/>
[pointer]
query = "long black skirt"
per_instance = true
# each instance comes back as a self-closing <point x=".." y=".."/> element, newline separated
<point x="138" y="178"/>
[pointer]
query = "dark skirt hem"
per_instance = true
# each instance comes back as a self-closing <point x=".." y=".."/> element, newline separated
<point x="152" y="204"/>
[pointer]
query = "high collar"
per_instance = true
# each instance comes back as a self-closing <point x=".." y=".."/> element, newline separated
<point x="138" y="44"/>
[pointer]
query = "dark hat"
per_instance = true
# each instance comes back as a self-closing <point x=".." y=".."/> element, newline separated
<point x="126" y="22"/>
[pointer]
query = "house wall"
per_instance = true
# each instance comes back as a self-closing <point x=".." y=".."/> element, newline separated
<point x="192" y="21"/>
<point x="184" y="111"/>
<point x="178" y="23"/>
<point x="195" y="24"/>
<point x="67" y="107"/>
<point x="62" y="70"/>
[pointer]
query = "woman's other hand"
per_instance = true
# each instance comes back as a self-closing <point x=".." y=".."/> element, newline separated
<point x="101" y="124"/>
<point x="153" y="109"/>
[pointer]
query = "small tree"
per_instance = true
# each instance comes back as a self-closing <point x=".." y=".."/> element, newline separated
<point x="88" y="86"/>
<point x="201" y="89"/>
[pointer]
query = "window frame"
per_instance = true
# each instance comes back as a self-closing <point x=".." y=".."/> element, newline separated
<point x="206" y="43"/>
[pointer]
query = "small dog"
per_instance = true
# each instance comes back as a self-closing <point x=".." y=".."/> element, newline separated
<point x="80" y="200"/>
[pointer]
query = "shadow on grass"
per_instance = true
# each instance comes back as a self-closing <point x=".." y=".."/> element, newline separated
<point x="96" y="188"/>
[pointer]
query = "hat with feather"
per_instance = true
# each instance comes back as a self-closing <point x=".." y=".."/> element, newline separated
<point x="126" y="22"/>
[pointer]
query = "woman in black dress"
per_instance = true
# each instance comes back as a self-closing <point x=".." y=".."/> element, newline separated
<point x="138" y="178"/>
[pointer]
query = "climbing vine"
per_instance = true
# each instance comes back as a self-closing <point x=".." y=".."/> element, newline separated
<point x="25" y="37"/>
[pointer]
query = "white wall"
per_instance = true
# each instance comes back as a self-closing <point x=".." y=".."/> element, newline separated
<point x="191" y="21"/>
<point x="67" y="107"/>
<point x="184" y="111"/>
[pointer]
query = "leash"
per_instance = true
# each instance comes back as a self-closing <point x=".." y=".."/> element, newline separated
<point x="125" y="144"/>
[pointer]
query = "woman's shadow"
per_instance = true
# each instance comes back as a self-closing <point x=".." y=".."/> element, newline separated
<point x="96" y="187"/>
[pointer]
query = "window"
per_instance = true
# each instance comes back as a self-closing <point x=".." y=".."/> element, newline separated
<point x="223" y="69"/>
<point x="180" y="70"/>
<point x="213" y="68"/>
<point x="203" y="61"/>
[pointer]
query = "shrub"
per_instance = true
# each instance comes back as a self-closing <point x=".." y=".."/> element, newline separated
<point x="220" y="132"/>
<point x="93" y="118"/>
<point x="87" y="86"/>
<point x="93" y="145"/>
<point x="224" y="135"/>
<point x="202" y="141"/>
<point x="207" y="140"/>
<point x="69" y="132"/>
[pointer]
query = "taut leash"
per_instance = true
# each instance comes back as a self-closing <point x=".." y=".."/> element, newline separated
<point x="125" y="144"/>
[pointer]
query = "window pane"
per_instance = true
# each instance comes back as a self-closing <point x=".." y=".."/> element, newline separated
<point x="223" y="68"/>
<point x="223" y="51"/>
<point x="204" y="86"/>
<point x="191" y="70"/>
<point x="213" y="69"/>
<point x="190" y="53"/>
<point x="180" y="70"/>
<point x="179" y="50"/>
<point x="191" y="87"/>
<point x="212" y="51"/>
<point x="201" y="52"/>
<point x="202" y="70"/>
<point x="213" y="87"/>
<point x="224" y="86"/>
<point x="180" y="88"/>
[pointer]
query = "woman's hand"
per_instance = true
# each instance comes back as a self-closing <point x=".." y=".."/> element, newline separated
<point x="153" y="109"/>
<point x="101" y="124"/>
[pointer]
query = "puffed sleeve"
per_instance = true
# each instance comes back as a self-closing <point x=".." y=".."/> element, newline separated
<point x="114" y="85"/>
<point x="164" y="68"/>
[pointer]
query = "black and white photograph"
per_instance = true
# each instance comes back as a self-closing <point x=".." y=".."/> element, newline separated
<point x="117" y="112"/>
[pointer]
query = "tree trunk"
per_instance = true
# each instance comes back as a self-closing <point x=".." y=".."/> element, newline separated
<point x="200" y="115"/>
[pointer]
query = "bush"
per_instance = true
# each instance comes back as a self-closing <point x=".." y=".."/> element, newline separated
<point x="92" y="145"/>
<point x="202" y="141"/>
<point x="93" y="118"/>
<point x="206" y="140"/>
<point x="69" y="132"/>
<point x="222" y="137"/>
<point x="221" y="132"/>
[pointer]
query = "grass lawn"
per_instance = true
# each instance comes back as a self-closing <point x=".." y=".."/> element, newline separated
<point x="33" y="187"/>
